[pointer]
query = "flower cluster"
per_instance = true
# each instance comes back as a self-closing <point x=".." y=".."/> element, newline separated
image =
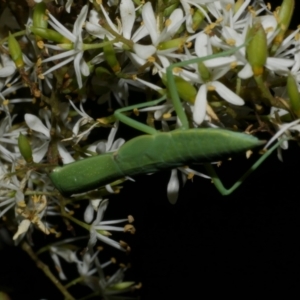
<point x="216" y="64"/>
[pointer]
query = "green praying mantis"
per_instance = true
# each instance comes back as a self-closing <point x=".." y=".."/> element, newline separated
<point x="159" y="150"/>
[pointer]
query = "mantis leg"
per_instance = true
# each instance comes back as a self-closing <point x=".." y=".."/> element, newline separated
<point x="173" y="93"/>
<point x="133" y="123"/>
<point x="185" y="124"/>
<point x="218" y="183"/>
<point x="184" y="121"/>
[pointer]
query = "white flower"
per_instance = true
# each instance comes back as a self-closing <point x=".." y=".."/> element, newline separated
<point x="110" y="145"/>
<point x="172" y="25"/>
<point x="276" y="64"/>
<point x="67" y="254"/>
<point x="174" y="185"/>
<point x="125" y="27"/>
<point x="68" y="5"/>
<point x="9" y="150"/>
<point x="217" y="67"/>
<point x="11" y="190"/>
<point x="99" y="229"/>
<point x="76" y="54"/>
<point x="113" y="285"/>
<point x="31" y="213"/>
<point x="42" y="136"/>
<point x="7" y="67"/>
<point x="283" y="135"/>
<point x="103" y="147"/>
<point x="85" y="119"/>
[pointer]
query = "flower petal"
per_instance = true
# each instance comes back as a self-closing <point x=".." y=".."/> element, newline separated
<point x="108" y="20"/>
<point x="127" y="17"/>
<point x="246" y="72"/>
<point x="101" y="147"/>
<point x="97" y="31"/>
<point x="150" y="22"/>
<point x="77" y="63"/>
<point x="89" y="213"/>
<point x="175" y="19"/>
<point x="61" y="29"/>
<point x="57" y="264"/>
<point x="202" y="46"/>
<point x="22" y="228"/>
<point x="140" y="33"/>
<point x="66" y="157"/>
<point x="39" y="153"/>
<point x="84" y="68"/>
<point x="34" y="123"/>
<point x="144" y="51"/>
<point x="173" y="187"/>
<point x="79" y="22"/>
<point x="7" y="71"/>
<point x="200" y="105"/>
<point x="279" y="64"/>
<point x="117" y="144"/>
<point x="227" y="94"/>
<point x="68" y="5"/>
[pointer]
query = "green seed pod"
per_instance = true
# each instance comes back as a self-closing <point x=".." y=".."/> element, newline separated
<point x="294" y="95"/>
<point x="175" y="43"/>
<point x="284" y="19"/>
<point x="186" y="90"/>
<point x="39" y="18"/>
<point x="170" y="9"/>
<point x="257" y="49"/>
<point x="49" y="34"/>
<point x="110" y="57"/>
<point x="198" y="18"/>
<point x="120" y="286"/>
<point x="15" y="51"/>
<point x="238" y="4"/>
<point x="203" y="71"/>
<point x="25" y="148"/>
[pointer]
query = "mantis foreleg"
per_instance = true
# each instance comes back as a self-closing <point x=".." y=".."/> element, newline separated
<point x="218" y="183"/>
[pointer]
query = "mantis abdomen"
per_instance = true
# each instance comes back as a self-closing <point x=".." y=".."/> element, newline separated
<point x="151" y="153"/>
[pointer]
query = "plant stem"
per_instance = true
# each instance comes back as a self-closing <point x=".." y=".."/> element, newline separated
<point x="26" y="247"/>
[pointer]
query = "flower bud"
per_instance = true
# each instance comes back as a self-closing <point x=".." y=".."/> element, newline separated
<point x="257" y="49"/>
<point x="15" y="51"/>
<point x="25" y="148"/>
<point x="284" y="19"/>
<point x="238" y="5"/>
<point x="185" y="89"/>
<point x="170" y="9"/>
<point x="175" y="43"/>
<point x="39" y="18"/>
<point x="49" y="34"/>
<point x="203" y="71"/>
<point x="294" y="95"/>
<point x="121" y="286"/>
<point x="110" y="56"/>
<point x="198" y="18"/>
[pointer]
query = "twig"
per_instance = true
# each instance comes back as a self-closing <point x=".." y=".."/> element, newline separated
<point x="26" y="247"/>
